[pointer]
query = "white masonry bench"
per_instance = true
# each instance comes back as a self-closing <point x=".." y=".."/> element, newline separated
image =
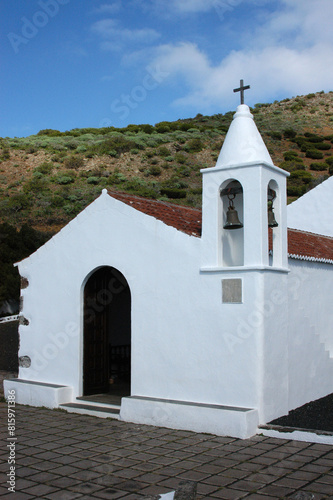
<point x="32" y="393"/>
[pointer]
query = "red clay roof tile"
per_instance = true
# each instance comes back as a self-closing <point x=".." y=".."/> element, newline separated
<point x="188" y="220"/>
<point x="185" y="219"/>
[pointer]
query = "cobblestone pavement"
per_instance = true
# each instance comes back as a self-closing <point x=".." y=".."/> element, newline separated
<point x="66" y="456"/>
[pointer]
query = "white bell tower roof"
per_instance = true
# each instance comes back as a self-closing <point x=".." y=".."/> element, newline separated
<point x="243" y="143"/>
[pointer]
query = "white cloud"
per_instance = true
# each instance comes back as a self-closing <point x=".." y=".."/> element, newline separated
<point x="270" y="71"/>
<point x="289" y="54"/>
<point x="170" y="8"/>
<point x="115" y="37"/>
<point x="108" y="8"/>
<point x="298" y="23"/>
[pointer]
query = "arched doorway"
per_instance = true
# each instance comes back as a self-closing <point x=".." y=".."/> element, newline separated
<point x="107" y="334"/>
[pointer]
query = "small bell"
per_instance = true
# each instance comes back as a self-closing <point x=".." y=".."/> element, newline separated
<point x="271" y="218"/>
<point x="233" y="221"/>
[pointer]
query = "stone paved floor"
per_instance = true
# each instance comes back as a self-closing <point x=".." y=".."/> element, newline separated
<point x="67" y="456"/>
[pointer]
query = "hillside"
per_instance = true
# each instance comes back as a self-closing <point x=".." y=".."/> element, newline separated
<point x="48" y="178"/>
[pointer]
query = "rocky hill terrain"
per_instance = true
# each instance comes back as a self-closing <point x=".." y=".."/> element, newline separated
<point x="48" y="178"/>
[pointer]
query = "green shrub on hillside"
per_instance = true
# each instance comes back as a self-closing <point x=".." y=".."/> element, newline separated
<point x="292" y="156"/>
<point x="50" y="132"/>
<point x="154" y="170"/>
<point x="292" y="165"/>
<point x="289" y="133"/>
<point x="194" y="145"/>
<point x="319" y="166"/>
<point x="314" y="154"/>
<point x="329" y="161"/>
<point x="93" y="180"/>
<point x="180" y="158"/>
<point x="36" y="185"/>
<point x="118" y="145"/>
<point x="64" y="179"/>
<point x="174" y="193"/>
<point x="74" y="162"/>
<point x="298" y="182"/>
<point x="274" y="134"/>
<point x="163" y="151"/>
<point x="322" y="146"/>
<point x="44" y="168"/>
<point x="19" y="202"/>
<point x="313" y="137"/>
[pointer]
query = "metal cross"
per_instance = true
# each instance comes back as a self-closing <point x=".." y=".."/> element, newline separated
<point x="241" y="90"/>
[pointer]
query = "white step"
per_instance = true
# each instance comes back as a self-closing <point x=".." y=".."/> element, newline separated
<point x="94" y="409"/>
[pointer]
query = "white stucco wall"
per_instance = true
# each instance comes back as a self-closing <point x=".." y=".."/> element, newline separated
<point x="313" y="211"/>
<point x="181" y="347"/>
<point x="264" y="352"/>
<point x="310" y="331"/>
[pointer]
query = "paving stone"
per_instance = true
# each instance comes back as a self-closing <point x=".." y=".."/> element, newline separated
<point x="85" y="487"/>
<point x="40" y="490"/>
<point x="63" y="482"/>
<point x="85" y="475"/>
<point x="147" y="467"/>
<point x="23" y="496"/>
<point x="304" y="475"/>
<point x="170" y="471"/>
<point x="64" y="459"/>
<point x="43" y="477"/>
<point x="319" y="488"/>
<point x="44" y="466"/>
<point x="247" y="485"/>
<point x="24" y="471"/>
<point x="64" y="495"/>
<point x="27" y="460"/>
<point x="108" y="480"/>
<point x="193" y="475"/>
<point x="151" y="478"/>
<point x="154" y="490"/>
<point x="327" y="479"/>
<point x="76" y="456"/>
<point x="277" y="491"/>
<point x="209" y="469"/>
<point x="134" y="486"/>
<point x="22" y="484"/>
<point x="206" y="489"/>
<point x="290" y="482"/>
<point x="257" y="496"/>
<point x="109" y="493"/>
<point x="128" y="473"/>
<point x="220" y="480"/>
<point x="228" y="494"/>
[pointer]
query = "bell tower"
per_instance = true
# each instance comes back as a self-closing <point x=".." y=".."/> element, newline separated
<point x="244" y="256"/>
<point x="243" y="195"/>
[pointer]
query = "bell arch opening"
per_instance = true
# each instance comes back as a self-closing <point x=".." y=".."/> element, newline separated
<point x="231" y="226"/>
<point x="273" y="222"/>
<point x="106" y="333"/>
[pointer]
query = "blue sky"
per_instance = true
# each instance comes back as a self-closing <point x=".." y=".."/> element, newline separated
<point x="90" y="63"/>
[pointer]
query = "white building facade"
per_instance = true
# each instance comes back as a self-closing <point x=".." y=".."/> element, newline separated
<point x="193" y="325"/>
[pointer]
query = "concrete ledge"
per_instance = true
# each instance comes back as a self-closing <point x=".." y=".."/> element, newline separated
<point x="32" y="393"/>
<point x="296" y="434"/>
<point x="197" y="417"/>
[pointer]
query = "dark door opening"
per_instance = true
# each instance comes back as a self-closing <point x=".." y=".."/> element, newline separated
<point x="107" y="334"/>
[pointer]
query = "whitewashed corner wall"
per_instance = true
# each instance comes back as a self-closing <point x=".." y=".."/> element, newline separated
<point x="310" y="331"/>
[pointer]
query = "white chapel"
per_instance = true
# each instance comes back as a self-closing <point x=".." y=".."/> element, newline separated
<point x="214" y="321"/>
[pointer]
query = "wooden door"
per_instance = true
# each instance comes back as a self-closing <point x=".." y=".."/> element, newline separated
<point x="96" y="344"/>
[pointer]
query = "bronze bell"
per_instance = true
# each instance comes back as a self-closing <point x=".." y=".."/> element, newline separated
<point x="271" y="218"/>
<point x="233" y="221"/>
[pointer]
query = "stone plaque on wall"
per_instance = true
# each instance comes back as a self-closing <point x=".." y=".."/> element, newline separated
<point x="232" y="291"/>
